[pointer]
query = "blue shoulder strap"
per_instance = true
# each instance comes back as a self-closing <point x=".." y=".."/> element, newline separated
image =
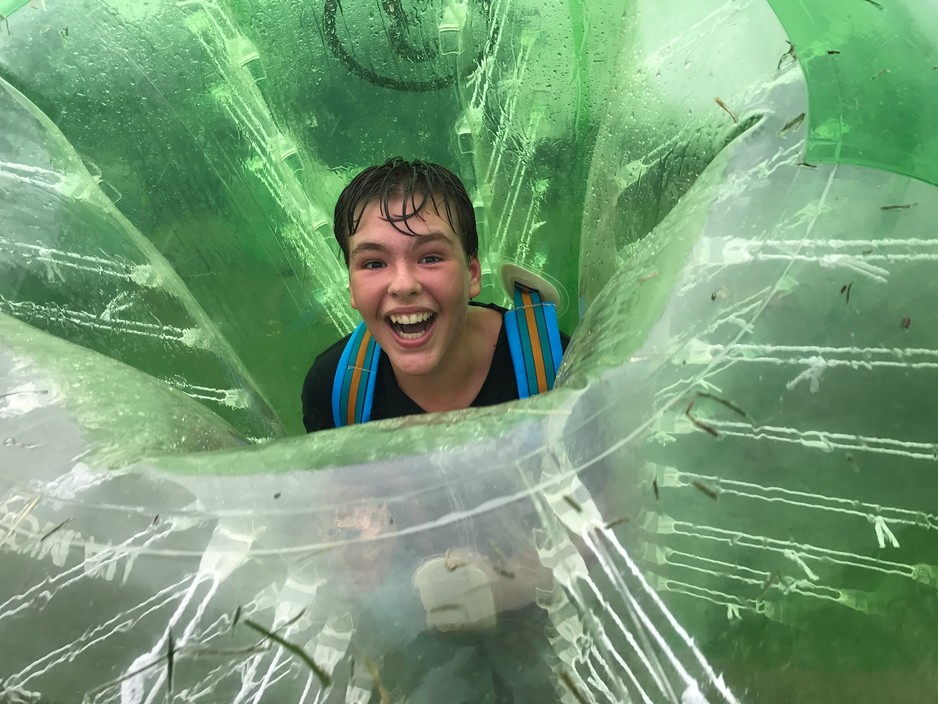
<point x="353" y="390"/>
<point x="534" y="340"/>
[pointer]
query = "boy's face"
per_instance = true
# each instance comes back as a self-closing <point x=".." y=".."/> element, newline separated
<point x="412" y="291"/>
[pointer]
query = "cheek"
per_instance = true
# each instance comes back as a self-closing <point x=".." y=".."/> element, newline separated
<point x="361" y="293"/>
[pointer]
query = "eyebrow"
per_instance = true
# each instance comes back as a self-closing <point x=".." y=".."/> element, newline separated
<point x="418" y="241"/>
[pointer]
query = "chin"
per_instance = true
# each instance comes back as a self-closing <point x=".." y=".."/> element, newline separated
<point x="412" y="367"/>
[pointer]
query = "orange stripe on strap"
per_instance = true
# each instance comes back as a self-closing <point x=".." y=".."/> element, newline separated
<point x="357" y="376"/>
<point x="531" y="320"/>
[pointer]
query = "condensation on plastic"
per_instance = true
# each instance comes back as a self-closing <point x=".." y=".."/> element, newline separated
<point x="725" y="500"/>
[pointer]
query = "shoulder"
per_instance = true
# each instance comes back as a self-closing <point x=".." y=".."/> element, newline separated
<point x="564" y="339"/>
<point x="317" y="388"/>
<point x="327" y="361"/>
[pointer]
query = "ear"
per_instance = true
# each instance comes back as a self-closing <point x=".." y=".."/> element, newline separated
<point x="351" y="293"/>
<point x="475" y="277"/>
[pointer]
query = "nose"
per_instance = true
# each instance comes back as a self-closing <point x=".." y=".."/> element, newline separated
<point x="404" y="281"/>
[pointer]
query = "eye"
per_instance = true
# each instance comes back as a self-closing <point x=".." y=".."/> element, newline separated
<point x="431" y="259"/>
<point x="372" y="264"/>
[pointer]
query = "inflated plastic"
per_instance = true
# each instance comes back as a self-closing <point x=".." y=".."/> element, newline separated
<point x="727" y="497"/>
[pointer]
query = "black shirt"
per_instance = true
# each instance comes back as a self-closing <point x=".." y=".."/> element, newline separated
<point x="389" y="400"/>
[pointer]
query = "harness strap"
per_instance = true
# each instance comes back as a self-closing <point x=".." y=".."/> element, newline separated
<point x="354" y="387"/>
<point x="534" y="341"/>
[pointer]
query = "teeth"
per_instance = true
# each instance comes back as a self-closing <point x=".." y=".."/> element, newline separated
<point x="410" y="319"/>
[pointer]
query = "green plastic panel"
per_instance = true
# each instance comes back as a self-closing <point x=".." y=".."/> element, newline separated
<point x="872" y="73"/>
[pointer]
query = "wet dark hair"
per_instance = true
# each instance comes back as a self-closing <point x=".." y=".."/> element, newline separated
<point x="417" y="183"/>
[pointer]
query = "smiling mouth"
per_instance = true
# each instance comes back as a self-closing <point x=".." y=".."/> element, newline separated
<point x="413" y="326"/>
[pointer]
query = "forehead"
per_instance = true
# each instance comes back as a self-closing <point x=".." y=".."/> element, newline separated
<point x="401" y="215"/>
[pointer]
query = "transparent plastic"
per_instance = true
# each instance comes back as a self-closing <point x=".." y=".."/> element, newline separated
<point x="726" y="498"/>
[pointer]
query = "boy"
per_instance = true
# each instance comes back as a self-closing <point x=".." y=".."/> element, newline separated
<point x="408" y="233"/>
